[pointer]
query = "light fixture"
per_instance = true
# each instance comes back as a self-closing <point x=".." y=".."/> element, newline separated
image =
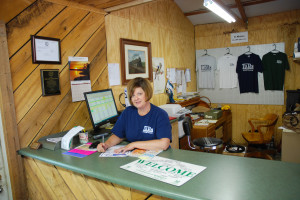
<point x="214" y="7"/>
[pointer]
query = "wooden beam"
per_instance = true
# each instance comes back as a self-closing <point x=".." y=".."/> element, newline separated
<point x="241" y="10"/>
<point x="126" y="5"/>
<point x="74" y="4"/>
<point x="197" y="12"/>
<point x="8" y="115"/>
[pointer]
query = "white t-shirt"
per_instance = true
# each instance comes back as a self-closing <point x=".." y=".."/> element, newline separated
<point x="205" y="67"/>
<point x="227" y="74"/>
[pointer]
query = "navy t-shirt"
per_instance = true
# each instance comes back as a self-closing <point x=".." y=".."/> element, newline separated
<point x="247" y="68"/>
<point x="153" y="125"/>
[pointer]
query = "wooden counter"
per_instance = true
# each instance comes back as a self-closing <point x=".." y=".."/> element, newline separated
<point x="53" y="175"/>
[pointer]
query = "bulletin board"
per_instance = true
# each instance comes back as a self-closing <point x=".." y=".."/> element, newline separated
<point x="233" y="96"/>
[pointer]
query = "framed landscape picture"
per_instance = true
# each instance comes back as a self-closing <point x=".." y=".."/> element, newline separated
<point x="136" y="60"/>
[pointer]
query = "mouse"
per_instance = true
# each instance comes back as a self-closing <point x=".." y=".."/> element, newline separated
<point x="94" y="145"/>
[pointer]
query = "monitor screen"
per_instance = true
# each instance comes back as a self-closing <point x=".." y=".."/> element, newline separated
<point x="102" y="107"/>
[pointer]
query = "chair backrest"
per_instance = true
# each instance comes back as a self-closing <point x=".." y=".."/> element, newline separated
<point x="187" y="125"/>
<point x="270" y="127"/>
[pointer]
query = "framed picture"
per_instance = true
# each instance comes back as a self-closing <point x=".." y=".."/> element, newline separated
<point x="45" y="50"/>
<point x="136" y="60"/>
<point x="50" y="82"/>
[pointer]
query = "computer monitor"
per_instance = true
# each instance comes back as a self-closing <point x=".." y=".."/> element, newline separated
<point x="102" y="108"/>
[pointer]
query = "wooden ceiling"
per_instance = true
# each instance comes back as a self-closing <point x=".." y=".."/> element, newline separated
<point x="100" y="6"/>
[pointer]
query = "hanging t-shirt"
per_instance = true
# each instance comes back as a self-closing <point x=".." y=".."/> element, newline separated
<point x="274" y="65"/>
<point x="227" y="71"/>
<point x="247" y="68"/>
<point x="205" y="67"/>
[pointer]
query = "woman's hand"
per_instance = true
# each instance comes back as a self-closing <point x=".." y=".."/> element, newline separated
<point x="102" y="147"/>
<point x="128" y="147"/>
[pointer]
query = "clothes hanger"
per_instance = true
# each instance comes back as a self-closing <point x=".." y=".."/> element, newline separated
<point x="205" y="52"/>
<point x="274" y="50"/>
<point x="248" y="52"/>
<point x="228" y="52"/>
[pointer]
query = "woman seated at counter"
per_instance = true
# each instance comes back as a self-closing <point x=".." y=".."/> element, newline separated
<point x="143" y="124"/>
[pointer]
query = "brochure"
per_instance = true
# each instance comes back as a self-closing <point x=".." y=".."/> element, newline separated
<point x="81" y="151"/>
<point x="140" y="153"/>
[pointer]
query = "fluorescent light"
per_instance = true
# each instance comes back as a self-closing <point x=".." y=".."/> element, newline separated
<point x="214" y="7"/>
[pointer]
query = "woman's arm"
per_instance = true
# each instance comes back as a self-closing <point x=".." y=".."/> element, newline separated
<point x="112" y="141"/>
<point x="158" y="144"/>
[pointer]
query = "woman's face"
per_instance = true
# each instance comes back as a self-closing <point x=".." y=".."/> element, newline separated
<point x="139" y="98"/>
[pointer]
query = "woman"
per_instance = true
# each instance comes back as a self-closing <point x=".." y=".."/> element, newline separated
<point x="145" y="125"/>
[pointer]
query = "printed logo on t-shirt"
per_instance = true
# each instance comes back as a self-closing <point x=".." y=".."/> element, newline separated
<point x="248" y="67"/>
<point x="148" y="130"/>
<point x="279" y="61"/>
<point x="205" y="68"/>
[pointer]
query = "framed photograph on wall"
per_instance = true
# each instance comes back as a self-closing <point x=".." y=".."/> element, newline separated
<point x="136" y="60"/>
<point x="45" y="50"/>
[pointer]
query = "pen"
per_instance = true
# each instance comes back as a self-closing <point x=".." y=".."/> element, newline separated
<point x="102" y="138"/>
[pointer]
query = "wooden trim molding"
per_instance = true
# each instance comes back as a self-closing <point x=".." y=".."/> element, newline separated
<point x="78" y="6"/>
<point x="8" y="114"/>
<point x="127" y="5"/>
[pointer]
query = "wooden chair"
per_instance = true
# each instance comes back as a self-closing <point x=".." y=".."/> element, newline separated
<point x="265" y="129"/>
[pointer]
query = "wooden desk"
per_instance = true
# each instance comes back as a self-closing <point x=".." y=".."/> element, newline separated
<point x="210" y="130"/>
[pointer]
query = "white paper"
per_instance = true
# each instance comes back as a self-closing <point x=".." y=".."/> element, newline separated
<point x="114" y="74"/>
<point x="78" y="88"/>
<point x="239" y="37"/>
<point x="166" y="170"/>
<point x="84" y="59"/>
<point x="178" y="77"/>
<point x="47" y="50"/>
<point x="168" y="73"/>
<point x="172" y="75"/>
<point x="111" y="152"/>
<point x="159" y="80"/>
<point x="188" y="75"/>
<point x="183" y="82"/>
<point x="179" y="89"/>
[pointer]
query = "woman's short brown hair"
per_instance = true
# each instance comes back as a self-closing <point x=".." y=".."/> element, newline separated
<point x="142" y="83"/>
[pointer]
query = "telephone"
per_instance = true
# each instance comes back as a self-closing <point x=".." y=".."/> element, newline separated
<point x="66" y="140"/>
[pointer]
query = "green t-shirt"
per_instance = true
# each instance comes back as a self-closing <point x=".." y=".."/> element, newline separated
<point x="274" y="66"/>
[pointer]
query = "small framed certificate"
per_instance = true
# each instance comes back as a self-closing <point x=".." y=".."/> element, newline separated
<point x="50" y="82"/>
<point x="45" y="50"/>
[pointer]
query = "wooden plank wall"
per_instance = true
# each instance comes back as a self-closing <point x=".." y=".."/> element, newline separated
<point x="82" y="33"/>
<point x="163" y="24"/>
<point x="282" y="27"/>
<point x="47" y="181"/>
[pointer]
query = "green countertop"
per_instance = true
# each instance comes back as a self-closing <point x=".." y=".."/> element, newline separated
<point x="226" y="177"/>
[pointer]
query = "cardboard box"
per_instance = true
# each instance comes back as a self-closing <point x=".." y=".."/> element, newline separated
<point x="213" y="114"/>
<point x="290" y="151"/>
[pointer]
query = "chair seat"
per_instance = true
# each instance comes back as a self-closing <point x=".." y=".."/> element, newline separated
<point x="254" y="138"/>
<point x="206" y="142"/>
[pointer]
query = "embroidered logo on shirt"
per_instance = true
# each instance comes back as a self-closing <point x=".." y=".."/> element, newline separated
<point x="148" y="130"/>
<point x="279" y="61"/>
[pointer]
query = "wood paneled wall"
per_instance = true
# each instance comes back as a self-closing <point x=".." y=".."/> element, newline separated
<point x="47" y="181"/>
<point x="163" y="24"/>
<point x="282" y="27"/>
<point x="83" y="33"/>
